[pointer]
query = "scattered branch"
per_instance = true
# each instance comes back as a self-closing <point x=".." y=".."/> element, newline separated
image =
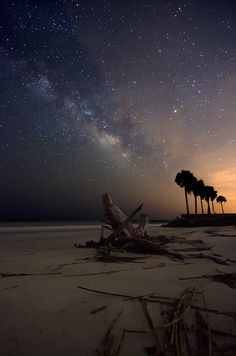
<point x="153" y="329"/>
<point x="128" y="297"/>
<point x="4" y="275"/>
<point x="97" y="310"/>
<point x="97" y="273"/>
<point x="109" y="344"/>
<point x="226" y="278"/>
<point x="8" y="288"/>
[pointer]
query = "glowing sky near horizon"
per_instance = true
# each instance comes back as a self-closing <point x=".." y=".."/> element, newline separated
<point x="115" y="96"/>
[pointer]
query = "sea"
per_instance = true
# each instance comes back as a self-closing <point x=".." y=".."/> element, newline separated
<point x="47" y="226"/>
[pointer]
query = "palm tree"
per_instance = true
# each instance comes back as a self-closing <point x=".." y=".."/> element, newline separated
<point x="213" y="197"/>
<point x="221" y="199"/>
<point x="185" y="180"/>
<point x="197" y="190"/>
<point x="201" y="187"/>
<point x="208" y="192"/>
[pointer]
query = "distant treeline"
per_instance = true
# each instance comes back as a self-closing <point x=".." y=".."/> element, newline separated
<point x="207" y="193"/>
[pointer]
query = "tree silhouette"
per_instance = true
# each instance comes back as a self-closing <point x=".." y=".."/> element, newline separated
<point x="185" y="180"/>
<point x="221" y="199"/>
<point x="198" y="191"/>
<point x="208" y="193"/>
<point x="201" y="187"/>
<point x="213" y="197"/>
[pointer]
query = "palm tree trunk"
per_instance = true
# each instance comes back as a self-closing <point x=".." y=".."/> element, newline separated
<point x="195" y="199"/>
<point x="222" y="207"/>
<point x="202" y="206"/>
<point x="208" y="207"/>
<point x="186" y="199"/>
<point x="213" y="209"/>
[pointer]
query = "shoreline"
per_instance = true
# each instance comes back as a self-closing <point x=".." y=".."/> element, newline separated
<point x="203" y="220"/>
<point x="50" y="227"/>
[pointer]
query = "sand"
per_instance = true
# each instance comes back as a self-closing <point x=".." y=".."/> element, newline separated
<point x="47" y="314"/>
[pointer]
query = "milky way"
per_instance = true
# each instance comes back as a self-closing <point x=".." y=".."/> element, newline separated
<point x="114" y="96"/>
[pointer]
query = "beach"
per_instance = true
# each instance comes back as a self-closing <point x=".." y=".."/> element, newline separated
<point x="53" y="297"/>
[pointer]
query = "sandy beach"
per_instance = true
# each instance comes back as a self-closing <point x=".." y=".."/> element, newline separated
<point x="46" y="311"/>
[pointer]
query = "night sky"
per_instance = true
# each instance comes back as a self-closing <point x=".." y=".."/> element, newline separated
<point x="114" y="96"/>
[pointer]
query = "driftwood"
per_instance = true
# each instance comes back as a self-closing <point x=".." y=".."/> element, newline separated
<point x="203" y="334"/>
<point x="143" y="224"/>
<point x="166" y="301"/>
<point x="154" y="330"/>
<point x="175" y="331"/>
<point x="151" y="298"/>
<point x="110" y="344"/>
<point x="218" y="259"/>
<point x="136" y="245"/>
<point x="4" y="275"/>
<point x="172" y="337"/>
<point x="119" y="222"/>
<point x="98" y="310"/>
<point x="63" y="265"/>
<point x="12" y="287"/>
<point x="141" y="245"/>
<point x="116" y="218"/>
<point x="126" y="237"/>
<point x="97" y="273"/>
<point x="179" y="328"/>
<point x="226" y="278"/>
<point x="108" y="257"/>
<point x="127" y="297"/>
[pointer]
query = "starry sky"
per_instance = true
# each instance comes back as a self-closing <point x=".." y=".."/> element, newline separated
<point x="114" y="96"/>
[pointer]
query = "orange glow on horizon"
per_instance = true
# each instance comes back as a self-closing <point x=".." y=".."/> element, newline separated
<point x="224" y="183"/>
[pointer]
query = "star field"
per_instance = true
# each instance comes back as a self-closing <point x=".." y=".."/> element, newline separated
<point x="114" y="96"/>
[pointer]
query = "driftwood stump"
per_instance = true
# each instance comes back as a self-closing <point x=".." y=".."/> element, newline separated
<point x="127" y="237"/>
